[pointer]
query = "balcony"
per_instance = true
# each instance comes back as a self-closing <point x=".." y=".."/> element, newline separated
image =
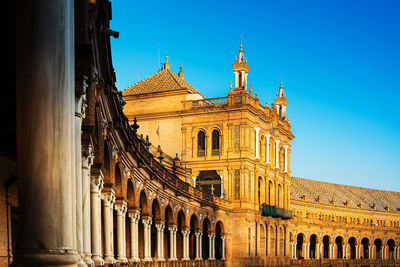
<point x="273" y="211"/>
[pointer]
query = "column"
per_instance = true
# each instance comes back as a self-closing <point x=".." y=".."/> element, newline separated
<point x="257" y="130"/>
<point x="330" y="251"/>
<point x="96" y="184"/>
<point x="120" y="209"/>
<point x="194" y="181"/>
<point x="277" y="153"/>
<point x="210" y="247"/>
<point x="344" y="251"/>
<point x="242" y="80"/>
<point x="236" y="79"/>
<point x="80" y="98"/>
<point x="172" y="241"/>
<point x="147" y="238"/>
<point x="160" y="241"/>
<point x="295" y="250"/>
<point x="267" y="136"/>
<point x="222" y="186"/>
<point x="87" y="161"/>
<point x="185" y="245"/>
<point x="45" y="116"/>
<point x="134" y="216"/>
<point x="198" y="248"/>
<point x="108" y="201"/>
<point x="286" y="158"/>
<point x="223" y="247"/>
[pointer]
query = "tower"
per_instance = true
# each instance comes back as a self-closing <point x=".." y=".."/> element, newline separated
<point x="241" y="69"/>
<point x="281" y="102"/>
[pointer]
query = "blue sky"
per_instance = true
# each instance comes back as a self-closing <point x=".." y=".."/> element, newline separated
<point x="340" y="62"/>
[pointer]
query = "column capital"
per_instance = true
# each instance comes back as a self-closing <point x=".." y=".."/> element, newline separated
<point x="108" y="198"/>
<point x="223" y="237"/>
<point x="159" y="225"/>
<point x="277" y="141"/>
<point x="257" y="129"/>
<point x="121" y="208"/>
<point x="134" y="215"/>
<point x="96" y="182"/>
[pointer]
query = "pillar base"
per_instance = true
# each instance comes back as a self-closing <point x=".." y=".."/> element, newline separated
<point x="147" y="259"/>
<point x="198" y="259"/>
<point x="48" y="258"/>
<point x="122" y="260"/>
<point x="98" y="260"/>
<point x="81" y="263"/>
<point x="160" y="259"/>
<point x="186" y="259"/>
<point x="134" y="259"/>
<point x="88" y="260"/>
<point x="109" y="260"/>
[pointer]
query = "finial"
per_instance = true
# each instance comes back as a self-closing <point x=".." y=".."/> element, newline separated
<point x="281" y="81"/>
<point x="230" y="85"/>
<point x="256" y="95"/>
<point x="241" y="44"/>
<point x="166" y="62"/>
<point x="180" y="67"/>
<point x="180" y="74"/>
<point x="288" y="119"/>
<point x="250" y="88"/>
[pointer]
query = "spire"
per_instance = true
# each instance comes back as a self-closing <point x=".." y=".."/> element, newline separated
<point x="166" y="62"/>
<point x="181" y="74"/>
<point x="240" y="58"/>
<point x="281" y="93"/>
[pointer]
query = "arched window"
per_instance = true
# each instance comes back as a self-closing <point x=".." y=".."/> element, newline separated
<point x="215" y="143"/>
<point x="201" y="144"/>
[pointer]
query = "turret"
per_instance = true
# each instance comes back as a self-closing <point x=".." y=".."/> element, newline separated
<point x="241" y="69"/>
<point x="281" y="102"/>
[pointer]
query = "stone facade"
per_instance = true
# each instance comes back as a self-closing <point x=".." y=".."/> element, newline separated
<point x="93" y="191"/>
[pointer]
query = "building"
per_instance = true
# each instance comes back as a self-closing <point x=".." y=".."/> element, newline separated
<point x="83" y="186"/>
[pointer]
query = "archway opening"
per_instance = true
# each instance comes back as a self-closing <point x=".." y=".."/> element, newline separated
<point x="313" y="244"/>
<point x="194" y="226"/>
<point x="339" y="247"/>
<point x="218" y="240"/>
<point x="169" y="221"/>
<point x="179" y="235"/>
<point x="299" y="247"/>
<point x="378" y="248"/>
<point x="391" y="245"/>
<point x="365" y="244"/>
<point x="144" y="212"/>
<point x="325" y="241"/>
<point x="352" y="243"/>
<point x="205" y="239"/>
<point x="156" y="214"/>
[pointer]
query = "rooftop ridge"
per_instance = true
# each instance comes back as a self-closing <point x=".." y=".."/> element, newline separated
<point x="353" y="186"/>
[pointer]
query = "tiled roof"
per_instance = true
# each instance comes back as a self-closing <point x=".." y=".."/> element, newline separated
<point x="342" y="193"/>
<point x="163" y="81"/>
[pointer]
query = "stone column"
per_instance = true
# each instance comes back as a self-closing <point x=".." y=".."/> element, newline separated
<point x="80" y="104"/>
<point x="134" y="219"/>
<point x="160" y="241"/>
<point x="277" y="153"/>
<point x="45" y="116"/>
<point x="147" y="238"/>
<point x="185" y="244"/>
<point x="87" y="161"/>
<point x="96" y="184"/>
<point x="108" y="201"/>
<point x="222" y="186"/>
<point x="211" y="242"/>
<point x="267" y="136"/>
<point x="120" y="208"/>
<point x="257" y="130"/>
<point x="223" y="247"/>
<point x="236" y="79"/>
<point x="172" y="242"/>
<point x="286" y="158"/>
<point x="194" y="181"/>
<point x="198" y="248"/>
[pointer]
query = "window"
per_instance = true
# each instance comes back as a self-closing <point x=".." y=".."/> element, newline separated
<point x="236" y="138"/>
<point x="237" y="184"/>
<point x="201" y="144"/>
<point x="215" y="143"/>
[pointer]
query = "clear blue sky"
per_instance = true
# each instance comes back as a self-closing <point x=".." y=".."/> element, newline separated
<point x="340" y="62"/>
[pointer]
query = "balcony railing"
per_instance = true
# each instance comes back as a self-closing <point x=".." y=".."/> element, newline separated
<point x="188" y="263"/>
<point x="210" y="102"/>
<point x="268" y="210"/>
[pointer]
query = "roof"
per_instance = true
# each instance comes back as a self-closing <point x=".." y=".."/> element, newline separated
<point x="163" y="81"/>
<point x="342" y="193"/>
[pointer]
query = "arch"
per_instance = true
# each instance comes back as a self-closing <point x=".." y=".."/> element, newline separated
<point x="106" y="163"/>
<point x="271" y="195"/>
<point x="313" y="245"/>
<point x="365" y="247"/>
<point x="325" y="241"/>
<point x="391" y="244"/>
<point x="215" y="142"/>
<point x="143" y="203"/>
<point x="261" y="190"/>
<point x="280" y="196"/>
<point x="263" y="240"/>
<point x="181" y="221"/>
<point x="378" y="248"/>
<point x="299" y="248"/>
<point x="206" y="225"/>
<point x="155" y="209"/>
<point x="352" y="243"/>
<point x="169" y="221"/>
<point x="339" y="247"/>
<point x="194" y="227"/>
<point x="201" y="143"/>
<point x="219" y="230"/>
<point x="118" y="181"/>
<point x="130" y="194"/>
